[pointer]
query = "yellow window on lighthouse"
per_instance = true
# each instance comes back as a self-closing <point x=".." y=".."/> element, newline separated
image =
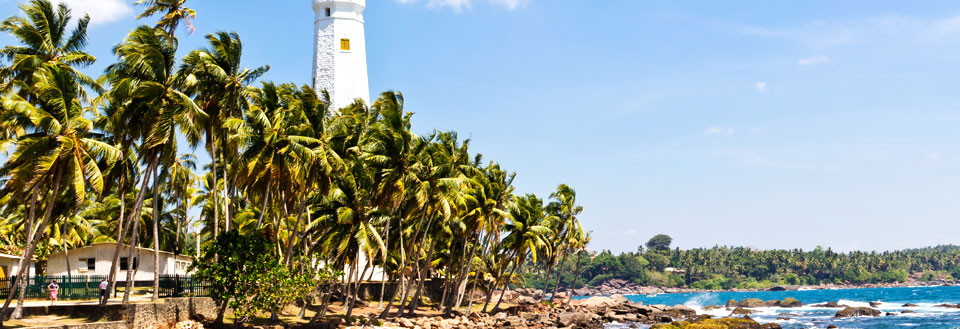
<point x="344" y="44"/>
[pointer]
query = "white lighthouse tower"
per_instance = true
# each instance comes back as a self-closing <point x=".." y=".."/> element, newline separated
<point x="340" y="52"/>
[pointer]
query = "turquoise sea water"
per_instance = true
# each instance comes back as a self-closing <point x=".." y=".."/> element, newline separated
<point x="892" y="300"/>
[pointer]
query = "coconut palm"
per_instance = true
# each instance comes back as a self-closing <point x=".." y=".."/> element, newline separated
<point x="145" y="97"/>
<point x="45" y="39"/>
<point x="220" y="84"/>
<point x="173" y="13"/>
<point x="59" y="158"/>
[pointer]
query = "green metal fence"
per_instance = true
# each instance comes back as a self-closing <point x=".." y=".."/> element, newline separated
<point x="87" y="286"/>
<point x="71" y="287"/>
<point x="182" y="286"/>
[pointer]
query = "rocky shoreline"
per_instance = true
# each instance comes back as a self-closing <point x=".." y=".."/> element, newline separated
<point x="614" y="287"/>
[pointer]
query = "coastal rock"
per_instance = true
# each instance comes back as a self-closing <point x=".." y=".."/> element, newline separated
<point x="892" y="314"/>
<point x="712" y="307"/>
<point x="789" y="302"/>
<point x="680" y="312"/>
<point x="856" y="311"/>
<point x="732" y="303"/>
<point x="568" y="319"/>
<point x="874" y="304"/>
<point x="741" y="311"/>
<point x="947" y="305"/>
<point x="752" y="302"/>
<point x="597" y="303"/>
<point x="524" y="300"/>
<point x="907" y="312"/>
<point x="910" y="305"/>
<point x="829" y="305"/>
<point x="722" y="323"/>
<point x="832" y="327"/>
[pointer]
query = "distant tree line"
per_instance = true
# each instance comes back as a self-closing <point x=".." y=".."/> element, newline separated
<point x="723" y="267"/>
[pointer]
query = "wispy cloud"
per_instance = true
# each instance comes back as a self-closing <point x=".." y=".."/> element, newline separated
<point x="819" y="59"/>
<point x="933" y="156"/>
<point x="720" y="131"/>
<point x="761" y="86"/>
<point x="461" y="5"/>
<point x="100" y="11"/>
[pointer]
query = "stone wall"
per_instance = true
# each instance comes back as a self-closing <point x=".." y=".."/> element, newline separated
<point x="132" y="316"/>
<point x="96" y="325"/>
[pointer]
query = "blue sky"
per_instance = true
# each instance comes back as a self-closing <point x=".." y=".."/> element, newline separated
<point x="757" y="123"/>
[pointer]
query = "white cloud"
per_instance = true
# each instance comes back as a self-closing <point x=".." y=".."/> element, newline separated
<point x="933" y="156"/>
<point x="100" y="11"/>
<point x="819" y="59"/>
<point x="461" y="5"/>
<point x="719" y="130"/>
<point x="761" y="86"/>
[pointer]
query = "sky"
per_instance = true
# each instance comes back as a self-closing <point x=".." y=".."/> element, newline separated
<point x="753" y="123"/>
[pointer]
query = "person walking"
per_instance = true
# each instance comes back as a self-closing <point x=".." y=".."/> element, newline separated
<point x="54" y="288"/>
<point x="103" y="292"/>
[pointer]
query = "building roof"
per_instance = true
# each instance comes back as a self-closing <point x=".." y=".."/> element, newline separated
<point x="113" y="244"/>
<point x="7" y="256"/>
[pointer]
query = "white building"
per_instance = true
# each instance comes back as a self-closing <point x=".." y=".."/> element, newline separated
<point x="340" y="52"/>
<point x="10" y="265"/>
<point x="95" y="259"/>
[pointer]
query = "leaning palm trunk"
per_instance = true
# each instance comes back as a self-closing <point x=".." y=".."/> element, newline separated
<point x="131" y="218"/>
<point x="496" y="283"/>
<point x="128" y="287"/>
<point x="466" y="277"/>
<point x="226" y="198"/>
<point x="576" y="275"/>
<point x="34" y="237"/>
<point x="563" y="261"/>
<point x="383" y="269"/>
<point x="506" y="284"/>
<point x="423" y="277"/>
<point x="215" y="194"/>
<point x="156" y="236"/>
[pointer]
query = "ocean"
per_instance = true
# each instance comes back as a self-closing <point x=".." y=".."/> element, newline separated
<point x="891" y="299"/>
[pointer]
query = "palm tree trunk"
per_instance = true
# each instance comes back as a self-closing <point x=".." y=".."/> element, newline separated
<point x="496" y="283"/>
<point x="563" y="261"/>
<point x="34" y="237"/>
<point x="546" y="281"/>
<point x="383" y="268"/>
<point x="122" y="204"/>
<point x="226" y="199"/>
<point x="216" y="201"/>
<point x="263" y="207"/>
<point x="576" y="275"/>
<point x="423" y="277"/>
<point x="131" y="260"/>
<point x="156" y="235"/>
<point x="476" y="277"/>
<point x="294" y="233"/>
<point x="465" y="276"/>
<point x="506" y="283"/>
<point x="131" y="218"/>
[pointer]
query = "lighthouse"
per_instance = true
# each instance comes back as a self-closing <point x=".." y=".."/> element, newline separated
<point x="340" y="52"/>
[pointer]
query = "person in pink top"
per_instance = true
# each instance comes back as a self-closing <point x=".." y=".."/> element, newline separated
<point x="54" y="288"/>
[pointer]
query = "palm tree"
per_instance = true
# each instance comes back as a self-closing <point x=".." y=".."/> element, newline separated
<point x="220" y="85"/>
<point x="59" y="155"/>
<point x="144" y="94"/>
<point x="526" y="234"/>
<point x="45" y="42"/>
<point x="566" y="210"/>
<point x="174" y="12"/>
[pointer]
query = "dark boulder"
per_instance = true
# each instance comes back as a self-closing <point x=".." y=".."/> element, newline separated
<point x="789" y="302"/>
<point x="910" y="305"/>
<point x="732" y="303"/>
<point x="857" y="311"/>
<point x="874" y="304"/>
<point x="752" y="302"/>
<point x="741" y="311"/>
